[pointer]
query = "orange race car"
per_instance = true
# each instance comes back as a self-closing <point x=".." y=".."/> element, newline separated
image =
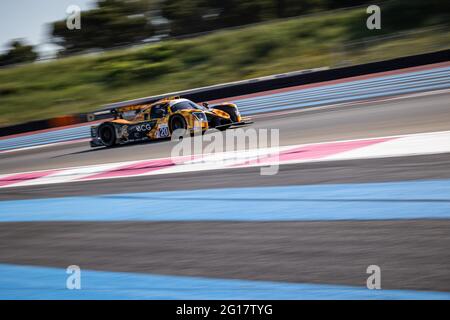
<point x="160" y="119"/>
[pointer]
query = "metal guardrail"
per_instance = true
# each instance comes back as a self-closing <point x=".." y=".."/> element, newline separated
<point x="150" y="99"/>
<point x="288" y="79"/>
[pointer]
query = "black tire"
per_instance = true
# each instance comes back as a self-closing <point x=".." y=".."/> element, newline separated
<point x="107" y="134"/>
<point x="231" y="110"/>
<point x="177" y="122"/>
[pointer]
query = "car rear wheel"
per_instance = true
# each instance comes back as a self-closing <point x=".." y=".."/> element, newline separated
<point x="107" y="134"/>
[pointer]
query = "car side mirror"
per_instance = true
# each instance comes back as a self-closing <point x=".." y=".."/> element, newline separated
<point x="205" y="104"/>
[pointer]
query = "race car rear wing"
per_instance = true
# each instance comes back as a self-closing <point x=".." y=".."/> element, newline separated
<point x="128" y="111"/>
<point x="132" y="110"/>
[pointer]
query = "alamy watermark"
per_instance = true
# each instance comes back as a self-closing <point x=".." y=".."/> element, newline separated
<point x="374" y="280"/>
<point x="253" y="147"/>
<point x="73" y="281"/>
<point x="73" y="20"/>
<point x="374" y="20"/>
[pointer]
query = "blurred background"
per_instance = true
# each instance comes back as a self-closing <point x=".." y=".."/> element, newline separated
<point x="365" y="161"/>
<point x="132" y="48"/>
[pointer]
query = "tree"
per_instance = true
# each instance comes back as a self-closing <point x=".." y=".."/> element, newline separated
<point x="186" y="16"/>
<point x="191" y="16"/>
<point x="18" y="52"/>
<point x="112" y="23"/>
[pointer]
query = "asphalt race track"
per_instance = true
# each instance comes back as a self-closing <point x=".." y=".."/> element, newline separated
<point x="392" y="212"/>
<point x="373" y="119"/>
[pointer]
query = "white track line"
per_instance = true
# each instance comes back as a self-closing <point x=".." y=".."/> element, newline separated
<point x="388" y="146"/>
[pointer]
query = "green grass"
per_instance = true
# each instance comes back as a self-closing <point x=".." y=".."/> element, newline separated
<point x="84" y="83"/>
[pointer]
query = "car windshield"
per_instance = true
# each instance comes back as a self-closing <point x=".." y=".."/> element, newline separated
<point x="189" y="105"/>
